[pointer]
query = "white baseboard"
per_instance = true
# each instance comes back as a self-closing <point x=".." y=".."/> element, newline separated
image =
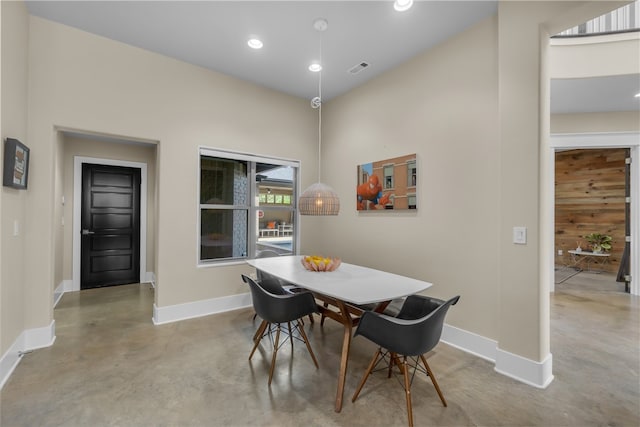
<point x="536" y="374"/>
<point x="64" y="286"/>
<point x="30" y="339"/>
<point x="190" y="310"/>
<point x="469" y="342"/>
<point x="150" y="277"/>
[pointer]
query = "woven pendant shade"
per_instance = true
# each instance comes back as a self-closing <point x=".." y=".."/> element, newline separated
<point x="319" y="199"/>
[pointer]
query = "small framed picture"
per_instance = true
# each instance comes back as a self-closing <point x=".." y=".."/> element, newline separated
<point x="16" y="164"/>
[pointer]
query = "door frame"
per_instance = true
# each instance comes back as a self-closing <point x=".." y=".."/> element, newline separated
<point x="78" y="161"/>
<point x="629" y="140"/>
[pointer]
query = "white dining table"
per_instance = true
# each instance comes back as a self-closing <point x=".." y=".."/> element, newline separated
<point x="347" y="288"/>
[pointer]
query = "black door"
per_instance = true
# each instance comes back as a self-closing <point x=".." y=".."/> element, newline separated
<point x="110" y="219"/>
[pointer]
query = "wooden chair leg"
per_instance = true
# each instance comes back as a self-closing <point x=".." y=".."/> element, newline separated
<point x="433" y="379"/>
<point x="311" y="319"/>
<point x="306" y="341"/>
<point x="275" y="353"/>
<point x="407" y="388"/>
<point x="372" y="364"/>
<point x="393" y="360"/>
<point x="260" y="330"/>
<point x="257" y="337"/>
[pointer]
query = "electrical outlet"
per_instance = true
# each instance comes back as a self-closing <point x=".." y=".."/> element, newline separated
<point x="559" y="252"/>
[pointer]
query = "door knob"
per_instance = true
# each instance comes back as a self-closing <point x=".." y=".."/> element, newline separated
<point x="86" y="232"/>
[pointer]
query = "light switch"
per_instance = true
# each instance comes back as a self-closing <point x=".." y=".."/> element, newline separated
<point x="16" y="227"/>
<point x="520" y="235"/>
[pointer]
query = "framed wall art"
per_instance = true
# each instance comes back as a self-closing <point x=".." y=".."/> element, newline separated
<point x="16" y="164"/>
<point x="388" y="184"/>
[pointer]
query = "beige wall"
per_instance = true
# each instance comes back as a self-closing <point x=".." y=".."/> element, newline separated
<point x="88" y="83"/>
<point x="619" y="121"/>
<point x="443" y="106"/>
<point x="87" y="147"/>
<point x="595" y="56"/>
<point x="13" y="123"/>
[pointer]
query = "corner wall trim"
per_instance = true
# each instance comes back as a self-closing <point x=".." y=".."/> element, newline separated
<point x="29" y="339"/>
<point x="61" y="289"/>
<point x="536" y="374"/>
<point x="190" y="310"/>
<point x="150" y="277"/>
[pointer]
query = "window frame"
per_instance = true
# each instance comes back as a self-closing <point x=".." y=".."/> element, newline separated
<point x="412" y="177"/>
<point x="391" y="175"/>
<point x="253" y="205"/>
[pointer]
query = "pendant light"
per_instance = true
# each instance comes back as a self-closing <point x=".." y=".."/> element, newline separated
<point x="319" y="198"/>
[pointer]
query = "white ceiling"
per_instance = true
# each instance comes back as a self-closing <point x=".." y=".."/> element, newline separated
<point x="213" y="34"/>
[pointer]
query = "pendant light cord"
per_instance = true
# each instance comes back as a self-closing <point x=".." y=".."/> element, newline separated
<point x="320" y="113"/>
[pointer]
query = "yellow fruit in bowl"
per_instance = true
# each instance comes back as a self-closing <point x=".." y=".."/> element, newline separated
<point x="320" y="263"/>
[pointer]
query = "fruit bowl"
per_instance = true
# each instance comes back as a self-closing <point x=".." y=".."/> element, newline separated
<point x="320" y="263"/>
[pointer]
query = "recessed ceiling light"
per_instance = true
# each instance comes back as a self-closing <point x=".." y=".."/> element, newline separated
<point x="402" y="5"/>
<point x="637" y="95"/>
<point x="315" y="67"/>
<point x="254" y="44"/>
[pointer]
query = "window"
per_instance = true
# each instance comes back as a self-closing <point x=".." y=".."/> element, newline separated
<point x="236" y="187"/>
<point x="411" y="201"/>
<point x="411" y="173"/>
<point x="388" y="176"/>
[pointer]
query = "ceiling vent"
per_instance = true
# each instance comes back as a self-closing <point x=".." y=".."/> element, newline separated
<point x="357" y="68"/>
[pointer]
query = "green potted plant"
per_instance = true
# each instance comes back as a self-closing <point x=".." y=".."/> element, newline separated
<point x="599" y="242"/>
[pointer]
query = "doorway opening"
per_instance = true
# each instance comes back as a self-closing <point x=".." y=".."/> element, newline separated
<point x="592" y="221"/>
<point x="141" y="236"/>
<point x="583" y="223"/>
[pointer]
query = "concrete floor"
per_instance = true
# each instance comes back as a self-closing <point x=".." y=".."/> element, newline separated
<point x="111" y="366"/>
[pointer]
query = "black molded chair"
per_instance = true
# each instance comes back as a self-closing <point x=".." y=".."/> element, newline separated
<point x="413" y="332"/>
<point x="269" y="281"/>
<point x="272" y="283"/>
<point x="277" y="309"/>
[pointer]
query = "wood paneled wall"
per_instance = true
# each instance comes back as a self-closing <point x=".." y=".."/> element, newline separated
<point x="590" y="198"/>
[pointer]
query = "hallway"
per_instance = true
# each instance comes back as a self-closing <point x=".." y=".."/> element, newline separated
<point x="111" y="366"/>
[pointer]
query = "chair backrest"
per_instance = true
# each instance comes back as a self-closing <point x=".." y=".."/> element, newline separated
<point x="271" y="286"/>
<point x="267" y="253"/>
<point x="415" y="331"/>
<point x="433" y="324"/>
<point x="268" y="281"/>
<point x="275" y="308"/>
